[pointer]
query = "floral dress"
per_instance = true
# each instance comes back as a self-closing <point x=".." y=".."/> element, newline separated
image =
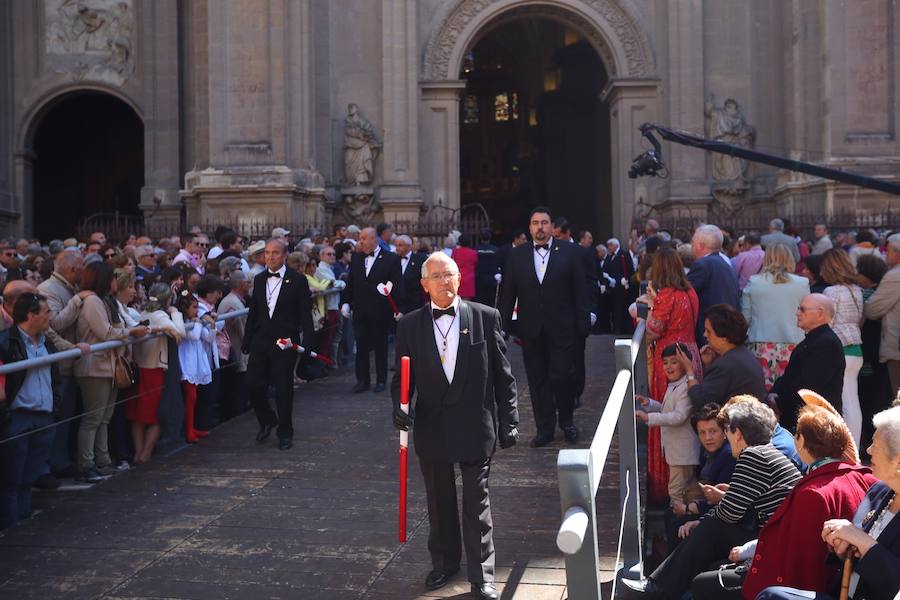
<point x="673" y="319"/>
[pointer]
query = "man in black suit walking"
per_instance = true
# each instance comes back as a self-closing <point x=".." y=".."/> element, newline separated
<point x="411" y="274"/>
<point x="548" y="280"/>
<point x="279" y="308"/>
<point x="371" y="312"/>
<point x="487" y="271"/>
<point x="465" y="404"/>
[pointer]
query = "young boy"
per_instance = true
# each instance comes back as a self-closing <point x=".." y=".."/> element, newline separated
<point x="679" y="441"/>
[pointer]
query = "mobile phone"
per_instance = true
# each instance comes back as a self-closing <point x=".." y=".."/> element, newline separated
<point x="643" y="289"/>
<point x="145" y="322"/>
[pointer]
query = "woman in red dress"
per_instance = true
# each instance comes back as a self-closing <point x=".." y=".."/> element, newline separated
<point x="467" y="260"/>
<point x="673" y="315"/>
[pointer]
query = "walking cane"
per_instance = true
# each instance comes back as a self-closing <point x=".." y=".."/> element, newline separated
<point x="497" y="295"/>
<point x="845" y="577"/>
<point x="285" y="343"/>
<point x="404" y="442"/>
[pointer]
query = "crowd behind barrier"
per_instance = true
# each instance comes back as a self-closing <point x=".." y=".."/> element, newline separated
<point x="771" y="364"/>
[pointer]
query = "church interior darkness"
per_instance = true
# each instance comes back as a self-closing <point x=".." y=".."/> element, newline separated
<point x="533" y="129"/>
<point x="88" y="159"/>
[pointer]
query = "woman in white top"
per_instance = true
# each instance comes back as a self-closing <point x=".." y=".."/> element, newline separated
<point x="194" y="356"/>
<point x="769" y="303"/>
<point x="843" y="289"/>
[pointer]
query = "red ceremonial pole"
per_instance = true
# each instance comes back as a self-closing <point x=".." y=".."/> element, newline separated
<point x="404" y="442"/>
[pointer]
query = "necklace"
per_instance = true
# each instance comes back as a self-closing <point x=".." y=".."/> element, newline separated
<point x="443" y="334"/>
<point x="274" y="291"/>
<point x="543" y="254"/>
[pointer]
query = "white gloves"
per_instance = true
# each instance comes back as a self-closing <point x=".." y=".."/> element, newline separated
<point x="593" y="319"/>
<point x="345" y="310"/>
<point x="498" y="277"/>
<point x="339" y="284"/>
<point x="602" y="289"/>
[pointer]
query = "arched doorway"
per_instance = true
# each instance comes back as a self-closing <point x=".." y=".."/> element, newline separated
<point x="533" y="128"/>
<point x="88" y="158"/>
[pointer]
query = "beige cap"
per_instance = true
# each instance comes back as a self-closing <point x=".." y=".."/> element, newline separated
<point x="280" y="232"/>
<point x="70" y="243"/>
<point x="255" y="248"/>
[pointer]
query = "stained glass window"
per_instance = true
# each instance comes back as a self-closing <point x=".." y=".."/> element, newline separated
<point x="514" y="106"/>
<point x="501" y="107"/>
<point x="470" y="110"/>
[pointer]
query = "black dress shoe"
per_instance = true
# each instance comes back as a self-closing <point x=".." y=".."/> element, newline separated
<point x="285" y="443"/>
<point x="571" y="433"/>
<point x="47" y="482"/>
<point x="487" y="591"/>
<point x="360" y="387"/>
<point x="265" y="431"/>
<point x="379" y="387"/>
<point x="540" y="440"/>
<point x="643" y="588"/>
<point x="438" y="578"/>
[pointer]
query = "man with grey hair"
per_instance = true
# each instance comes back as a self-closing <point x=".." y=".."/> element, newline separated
<point x="410" y="267"/>
<point x="817" y="363"/>
<point x="712" y="277"/>
<point x="823" y="240"/>
<point x="884" y="304"/>
<point x="777" y="235"/>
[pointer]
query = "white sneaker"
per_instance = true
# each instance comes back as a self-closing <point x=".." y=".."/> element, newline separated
<point x="123" y="466"/>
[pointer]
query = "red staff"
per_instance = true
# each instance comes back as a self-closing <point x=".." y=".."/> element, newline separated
<point x="404" y="442"/>
<point x="385" y="290"/>
<point x="285" y="343"/>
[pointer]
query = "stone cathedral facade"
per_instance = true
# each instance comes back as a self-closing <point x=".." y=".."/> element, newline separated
<point x="314" y="111"/>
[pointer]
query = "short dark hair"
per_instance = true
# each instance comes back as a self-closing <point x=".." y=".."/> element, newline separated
<point x="708" y="412"/>
<point x="727" y="322"/>
<point x="866" y="235"/>
<point x="220" y="231"/>
<point x="337" y="227"/>
<point x="382" y="227"/>
<point x="184" y="299"/>
<point x="228" y="239"/>
<point x="871" y="267"/>
<point x="485" y="235"/>
<point x="26" y="304"/>
<point x="187" y="238"/>
<point x="518" y="232"/>
<point x="753" y="239"/>
<point x="583" y="233"/>
<point x="540" y="209"/>
<point x="562" y="224"/>
<point x="209" y="284"/>
<point x="97" y="277"/>
<point x="671" y="350"/>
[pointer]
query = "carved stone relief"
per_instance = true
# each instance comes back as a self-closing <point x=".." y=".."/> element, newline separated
<point x="91" y="39"/>
<point x="361" y="148"/>
<point x="727" y="124"/>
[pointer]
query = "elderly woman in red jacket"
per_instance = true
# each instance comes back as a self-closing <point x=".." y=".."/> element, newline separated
<point x="790" y="550"/>
<point x="467" y="260"/>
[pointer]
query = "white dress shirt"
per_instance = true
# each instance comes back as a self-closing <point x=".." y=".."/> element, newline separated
<point x="541" y="259"/>
<point x="273" y="288"/>
<point x="404" y="262"/>
<point x="370" y="260"/>
<point x="450" y="326"/>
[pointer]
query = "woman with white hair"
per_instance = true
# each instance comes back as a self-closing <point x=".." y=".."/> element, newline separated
<point x="872" y="539"/>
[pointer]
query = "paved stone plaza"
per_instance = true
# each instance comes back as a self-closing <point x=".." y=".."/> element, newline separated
<point x="228" y="518"/>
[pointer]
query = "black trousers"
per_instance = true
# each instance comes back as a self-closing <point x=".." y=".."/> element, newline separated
<point x="444" y="543"/>
<point x="619" y="309"/>
<point x="578" y="384"/>
<point x="234" y="398"/>
<point x="371" y="334"/>
<point x="709" y="544"/>
<point x="708" y="584"/>
<point x="275" y="367"/>
<point x="549" y="367"/>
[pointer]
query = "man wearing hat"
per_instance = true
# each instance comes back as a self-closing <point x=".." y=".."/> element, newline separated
<point x="256" y="256"/>
<point x="280" y="233"/>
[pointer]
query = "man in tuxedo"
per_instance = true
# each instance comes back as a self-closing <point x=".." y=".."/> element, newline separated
<point x="547" y="278"/>
<point x="618" y="269"/>
<point x="711" y="275"/>
<point x="371" y="311"/>
<point x="279" y="308"/>
<point x="465" y="404"/>
<point x="487" y="270"/>
<point x="411" y="274"/>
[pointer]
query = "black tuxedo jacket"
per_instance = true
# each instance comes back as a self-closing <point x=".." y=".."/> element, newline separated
<point x="362" y="293"/>
<point x="618" y="265"/>
<point x="293" y="313"/>
<point x="414" y="295"/>
<point x="559" y="306"/>
<point x="589" y="256"/>
<point x="457" y="422"/>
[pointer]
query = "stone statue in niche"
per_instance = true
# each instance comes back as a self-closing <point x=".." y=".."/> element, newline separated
<point x="361" y="148"/>
<point x="360" y="208"/>
<point x="91" y="39"/>
<point x="727" y="124"/>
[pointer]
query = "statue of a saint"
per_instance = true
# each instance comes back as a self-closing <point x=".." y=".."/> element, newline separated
<point x="361" y="147"/>
<point x="727" y="124"/>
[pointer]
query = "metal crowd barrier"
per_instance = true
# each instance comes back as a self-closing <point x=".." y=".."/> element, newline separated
<point x="579" y="477"/>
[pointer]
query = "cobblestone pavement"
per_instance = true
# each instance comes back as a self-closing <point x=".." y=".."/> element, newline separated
<point x="228" y="518"/>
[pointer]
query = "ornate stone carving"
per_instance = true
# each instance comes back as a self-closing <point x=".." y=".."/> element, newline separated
<point x="91" y="39"/>
<point x="727" y="124"/>
<point x="361" y="147"/>
<point x="359" y="206"/>
<point x="634" y="43"/>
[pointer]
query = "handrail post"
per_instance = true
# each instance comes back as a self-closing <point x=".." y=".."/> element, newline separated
<point x="576" y="490"/>
<point x="629" y="490"/>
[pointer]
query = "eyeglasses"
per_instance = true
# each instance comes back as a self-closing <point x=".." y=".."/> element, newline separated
<point x="110" y="254"/>
<point x="804" y="309"/>
<point x="442" y="276"/>
<point x="9" y="254"/>
<point x="204" y="244"/>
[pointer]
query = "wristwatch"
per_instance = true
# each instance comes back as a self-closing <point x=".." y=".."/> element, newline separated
<point x="691" y="378"/>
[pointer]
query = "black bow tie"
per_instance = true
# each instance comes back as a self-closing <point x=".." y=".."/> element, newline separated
<point x="370" y="254"/>
<point x="437" y="313"/>
<point x="271" y="274"/>
<point x="541" y="246"/>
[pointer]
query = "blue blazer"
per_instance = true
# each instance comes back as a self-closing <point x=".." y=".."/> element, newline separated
<point x="715" y="283"/>
<point x="879" y="569"/>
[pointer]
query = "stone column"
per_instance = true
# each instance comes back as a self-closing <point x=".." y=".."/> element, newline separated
<point x="251" y="125"/>
<point x="440" y="135"/>
<point x="160" y="201"/>
<point x="399" y="194"/>
<point x="632" y="102"/>
<point x="7" y="198"/>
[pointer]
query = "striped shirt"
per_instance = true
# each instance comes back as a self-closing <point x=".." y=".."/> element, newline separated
<point x="762" y="478"/>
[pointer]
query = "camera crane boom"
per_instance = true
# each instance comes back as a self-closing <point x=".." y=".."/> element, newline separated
<point x="651" y="163"/>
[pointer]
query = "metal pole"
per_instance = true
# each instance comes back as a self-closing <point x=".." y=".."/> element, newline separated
<point x="629" y="490"/>
<point x="576" y="491"/>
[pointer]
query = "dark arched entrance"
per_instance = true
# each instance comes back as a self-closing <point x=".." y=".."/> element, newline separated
<point x="533" y="129"/>
<point x="88" y="159"/>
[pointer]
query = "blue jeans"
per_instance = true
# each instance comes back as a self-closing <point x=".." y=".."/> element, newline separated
<point x="779" y="592"/>
<point x="23" y="460"/>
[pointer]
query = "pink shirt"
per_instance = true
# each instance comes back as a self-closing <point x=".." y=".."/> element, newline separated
<point x="746" y="264"/>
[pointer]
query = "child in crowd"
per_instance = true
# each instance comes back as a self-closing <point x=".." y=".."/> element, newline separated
<point x="193" y="354"/>
<point x="153" y="359"/>
<point x="679" y="442"/>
